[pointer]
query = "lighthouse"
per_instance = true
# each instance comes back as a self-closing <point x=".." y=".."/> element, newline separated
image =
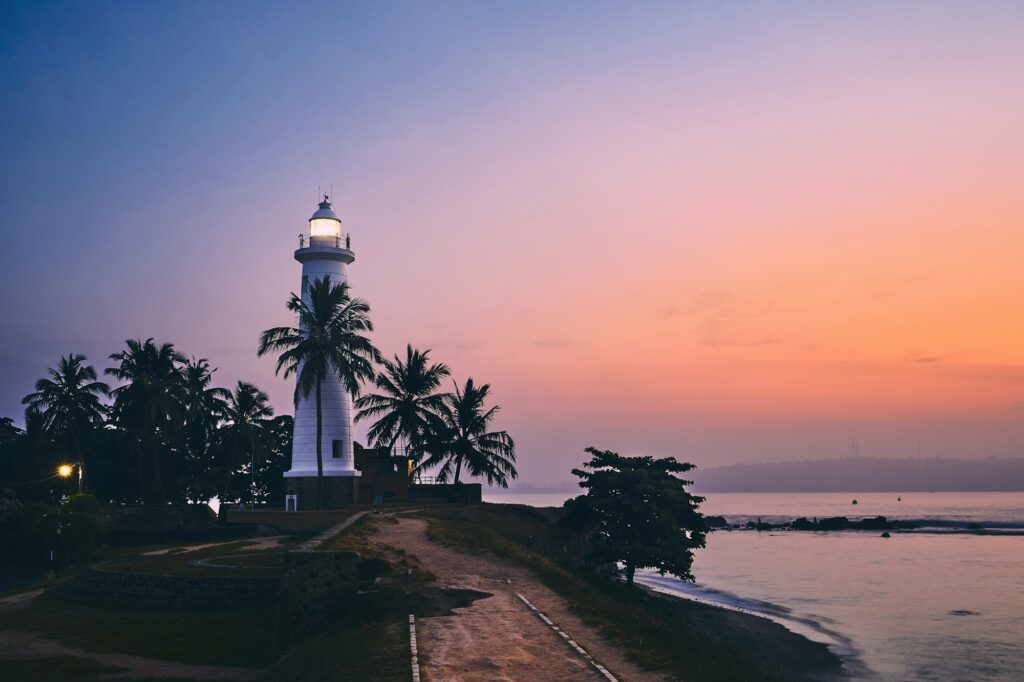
<point x="324" y="252"/>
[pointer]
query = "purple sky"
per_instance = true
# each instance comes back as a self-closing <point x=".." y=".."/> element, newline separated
<point x="728" y="233"/>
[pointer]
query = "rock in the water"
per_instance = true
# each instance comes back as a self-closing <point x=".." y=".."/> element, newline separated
<point x="715" y="521"/>
<point x="877" y="523"/>
<point x="803" y="524"/>
<point x="885" y="534"/>
<point x="833" y="523"/>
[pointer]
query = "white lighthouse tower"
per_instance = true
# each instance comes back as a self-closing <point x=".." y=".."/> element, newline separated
<point x="324" y="252"/>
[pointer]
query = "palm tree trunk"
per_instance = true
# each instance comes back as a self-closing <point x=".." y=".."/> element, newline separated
<point x="458" y="470"/>
<point x="252" y="469"/>
<point x="142" y="474"/>
<point x="156" y="473"/>
<point x="630" y="570"/>
<point x="227" y="488"/>
<point x="319" y="448"/>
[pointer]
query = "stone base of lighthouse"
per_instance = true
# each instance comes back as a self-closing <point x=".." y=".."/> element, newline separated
<point x="335" y="492"/>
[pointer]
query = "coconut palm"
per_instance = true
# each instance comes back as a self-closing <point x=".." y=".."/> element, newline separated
<point x="407" y="399"/>
<point x="9" y="431"/>
<point x="329" y="340"/>
<point x="457" y="437"/>
<point x="204" y="407"/>
<point x="69" y="401"/>
<point x="151" y="405"/>
<point x="247" y="430"/>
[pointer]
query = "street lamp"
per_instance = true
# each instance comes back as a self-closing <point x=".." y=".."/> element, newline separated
<point x="65" y="471"/>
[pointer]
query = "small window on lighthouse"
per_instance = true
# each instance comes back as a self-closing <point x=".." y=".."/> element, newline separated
<point x="336" y="449"/>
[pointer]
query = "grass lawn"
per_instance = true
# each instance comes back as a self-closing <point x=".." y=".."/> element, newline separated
<point x="684" y="639"/>
<point x="377" y="651"/>
<point x="234" y="638"/>
<point x="366" y="641"/>
<point x="50" y="669"/>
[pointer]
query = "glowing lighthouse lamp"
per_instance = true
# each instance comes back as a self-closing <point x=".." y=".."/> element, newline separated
<point x="326" y="253"/>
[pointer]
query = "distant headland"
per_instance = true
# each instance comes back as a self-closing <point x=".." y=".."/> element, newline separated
<point x="865" y="474"/>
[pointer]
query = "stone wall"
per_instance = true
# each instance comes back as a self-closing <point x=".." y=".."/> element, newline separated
<point x="172" y="591"/>
<point x="335" y="491"/>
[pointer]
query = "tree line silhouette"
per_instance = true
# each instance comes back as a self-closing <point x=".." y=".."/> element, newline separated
<point x="166" y="433"/>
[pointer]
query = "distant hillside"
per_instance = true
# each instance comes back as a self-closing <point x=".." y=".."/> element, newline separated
<point x="865" y="474"/>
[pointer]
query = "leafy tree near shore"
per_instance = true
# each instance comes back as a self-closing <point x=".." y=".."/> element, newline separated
<point x="639" y="512"/>
<point x="329" y="340"/>
<point x="457" y="438"/>
<point x="407" y="400"/>
<point x="69" y="402"/>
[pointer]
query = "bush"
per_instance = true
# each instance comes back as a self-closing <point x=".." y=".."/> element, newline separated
<point x="29" y="532"/>
<point x="82" y="503"/>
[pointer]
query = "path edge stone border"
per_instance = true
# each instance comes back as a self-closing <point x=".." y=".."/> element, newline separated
<point x="569" y="640"/>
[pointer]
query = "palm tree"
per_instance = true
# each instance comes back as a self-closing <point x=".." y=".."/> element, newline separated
<point x="69" y="401"/>
<point x="407" y="400"/>
<point x="457" y="437"/>
<point x="151" y="405"/>
<point x="204" y="407"/>
<point x="9" y="431"/>
<point x="328" y="341"/>
<point x="247" y="430"/>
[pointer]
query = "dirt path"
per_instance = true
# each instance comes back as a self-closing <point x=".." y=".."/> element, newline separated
<point x="313" y="544"/>
<point x="18" y="644"/>
<point x="499" y="638"/>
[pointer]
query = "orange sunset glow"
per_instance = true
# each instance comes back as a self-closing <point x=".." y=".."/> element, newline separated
<point x="727" y="235"/>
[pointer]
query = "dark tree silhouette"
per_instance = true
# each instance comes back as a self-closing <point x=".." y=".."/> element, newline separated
<point x="204" y="408"/>
<point x="407" y="399"/>
<point x="640" y="513"/>
<point x="151" y="405"/>
<point x="246" y="433"/>
<point x="329" y="339"/>
<point x="457" y="437"/>
<point x="69" y="402"/>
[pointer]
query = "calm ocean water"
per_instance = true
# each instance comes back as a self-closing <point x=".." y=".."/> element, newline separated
<point x="916" y="606"/>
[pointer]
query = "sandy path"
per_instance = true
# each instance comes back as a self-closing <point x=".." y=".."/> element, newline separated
<point x="18" y="644"/>
<point x="499" y="638"/>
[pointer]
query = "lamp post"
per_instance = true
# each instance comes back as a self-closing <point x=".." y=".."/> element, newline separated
<point x="65" y="471"/>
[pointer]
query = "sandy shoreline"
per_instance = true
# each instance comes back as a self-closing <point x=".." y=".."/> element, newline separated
<point x="806" y="640"/>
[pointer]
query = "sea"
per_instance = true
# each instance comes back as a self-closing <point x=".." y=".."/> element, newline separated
<point x="936" y="603"/>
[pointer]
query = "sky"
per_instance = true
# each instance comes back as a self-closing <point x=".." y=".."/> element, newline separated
<point x="725" y="232"/>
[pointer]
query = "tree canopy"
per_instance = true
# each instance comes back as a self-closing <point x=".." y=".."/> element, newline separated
<point x="639" y="513"/>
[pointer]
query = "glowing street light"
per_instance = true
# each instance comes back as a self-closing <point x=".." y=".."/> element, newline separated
<point x="65" y="471"/>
